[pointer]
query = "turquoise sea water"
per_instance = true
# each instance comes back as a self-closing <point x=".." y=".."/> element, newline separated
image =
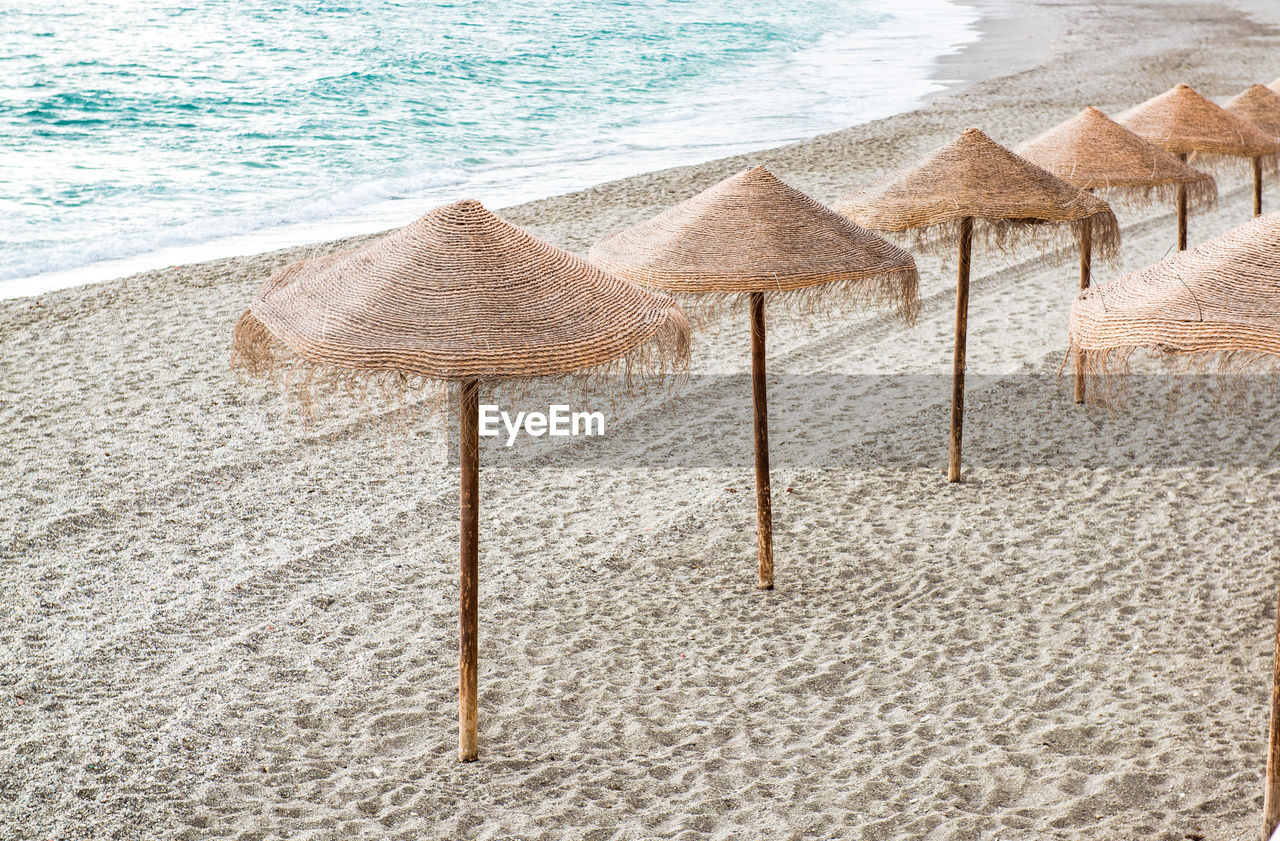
<point x="138" y="134"/>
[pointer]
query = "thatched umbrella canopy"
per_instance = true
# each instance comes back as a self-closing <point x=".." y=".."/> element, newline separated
<point x="972" y="180"/>
<point x="459" y="296"/>
<point x="1094" y="152"/>
<point x="1217" y="304"/>
<point x="1183" y="122"/>
<point x="753" y="234"/>
<point x="1219" y="301"/>
<point x="1260" y="107"/>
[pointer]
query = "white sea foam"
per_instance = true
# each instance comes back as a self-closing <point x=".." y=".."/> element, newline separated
<point x="840" y="78"/>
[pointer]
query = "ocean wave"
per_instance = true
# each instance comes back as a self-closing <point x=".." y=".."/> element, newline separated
<point x="57" y="257"/>
<point x="144" y="134"/>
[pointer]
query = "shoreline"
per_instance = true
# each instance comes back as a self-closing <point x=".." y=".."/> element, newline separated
<point x="1005" y="36"/>
<point x="1006" y="31"/>
<point x="500" y="184"/>
<point x="219" y="625"/>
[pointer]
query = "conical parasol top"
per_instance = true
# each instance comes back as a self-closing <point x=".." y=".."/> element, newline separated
<point x="1094" y="152"/>
<point x="1183" y="122"/>
<point x="975" y="177"/>
<point x="753" y="233"/>
<point x="1221" y="297"/>
<point x="1259" y="106"/>
<point x="458" y="294"/>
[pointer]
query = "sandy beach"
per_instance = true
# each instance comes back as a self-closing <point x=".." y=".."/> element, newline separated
<point x="218" y="623"/>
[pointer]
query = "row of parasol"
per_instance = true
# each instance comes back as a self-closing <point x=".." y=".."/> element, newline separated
<point x="462" y="296"/>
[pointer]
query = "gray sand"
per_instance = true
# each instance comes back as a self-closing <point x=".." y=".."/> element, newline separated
<point x="217" y="624"/>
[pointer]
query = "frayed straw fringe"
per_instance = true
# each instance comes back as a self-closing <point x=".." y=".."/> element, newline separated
<point x="1233" y="373"/>
<point x="1202" y="194"/>
<point x="1236" y="166"/>
<point x="898" y="291"/>
<point x="256" y="351"/>
<point x="659" y="364"/>
<point x="1018" y="236"/>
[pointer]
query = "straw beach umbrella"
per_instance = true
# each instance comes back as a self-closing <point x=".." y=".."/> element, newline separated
<point x="1215" y="305"/>
<point x="466" y="297"/>
<point x="752" y="234"/>
<point x="1260" y="107"/>
<point x="974" y="180"/>
<point x="1183" y="122"/>
<point x="1217" y="302"/>
<point x="1093" y="152"/>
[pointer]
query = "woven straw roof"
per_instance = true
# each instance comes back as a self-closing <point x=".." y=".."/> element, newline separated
<point x="458" y="294"/>
<point x="973" y="176"/>
<point x="753" y="233"/>
<point x="1218" y="301"/>
<point x="1259" y="106"/>
<point x="1094" y="152"/>
<point x="1183" y="122"/>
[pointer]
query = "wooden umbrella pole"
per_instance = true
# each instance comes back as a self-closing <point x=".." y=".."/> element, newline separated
<point x="1271" y="798"/>
<point x="1182" y="210"/>
<point x="962" y="328"/>
<point x="1257" y="186"/>
<point x="764" y="503"/>
<point x="468" y="584"/>
<point x="1086" y="270"/>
